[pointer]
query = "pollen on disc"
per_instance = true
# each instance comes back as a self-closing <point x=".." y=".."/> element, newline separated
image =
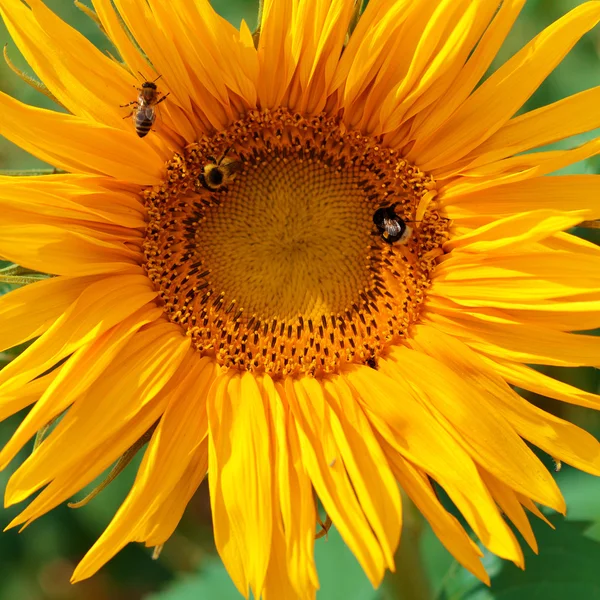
<point x="281" y="269"/>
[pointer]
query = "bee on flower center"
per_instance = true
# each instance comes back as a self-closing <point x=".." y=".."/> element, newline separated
<point x="218" y="173"/>
<point x="392" y="227"/>
<point x="144" y="108"/>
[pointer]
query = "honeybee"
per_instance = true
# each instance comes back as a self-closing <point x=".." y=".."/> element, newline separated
<point x="144" y="108"/>
<point x="219" y="173"/>
<point x="392" y="227"/>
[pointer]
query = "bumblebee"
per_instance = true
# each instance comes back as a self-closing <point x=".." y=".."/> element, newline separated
<point x="144" y="108"/>
<point x="393" y="228"/>
<point x="218" y="173"/>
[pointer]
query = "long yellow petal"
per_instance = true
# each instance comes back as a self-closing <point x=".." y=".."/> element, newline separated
<point x="57" y="250"/>
<point x="373" y="482"/>
<point x="28" y="394"/>
<point x="245" y="464"/>
<point x="276" y="63"/>
<point x="430" y="119"/>
<point x="41" y="200"/>
<point x="79" y="145"/>
<point x="100" y="306"/>
<point x="508" y="501"/>
<point x="330" y="478"/>
<point x="446" y="527"/>
<point x="78" y="373"/>
<point x="182" y="427"/>
<point x="555" y="436"/>
<point x="509" y="233"/>
<point x="294" y="492"/>
<point x="88" y="83"/>
<point x="161" y="524"/>
<point x="466" y="412"/>
<point x="529" y="379"/>
<point x="141" y="370"/>
<point x="411" y="430"/>
<point x="51" y="297"/>
<point x="521" y="342"/>
<point x="445" y="44"/>
<point x="546" y="125"/>
<point x="500" y="96"/>
<point x="575" y="192"/>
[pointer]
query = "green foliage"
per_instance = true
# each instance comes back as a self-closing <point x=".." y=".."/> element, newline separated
<point x="567" y="566"/>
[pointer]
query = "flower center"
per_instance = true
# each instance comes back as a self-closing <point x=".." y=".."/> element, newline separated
<point x="263" y="244"/>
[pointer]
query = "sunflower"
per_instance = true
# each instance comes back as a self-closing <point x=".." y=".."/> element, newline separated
<point x="317" y="276"/>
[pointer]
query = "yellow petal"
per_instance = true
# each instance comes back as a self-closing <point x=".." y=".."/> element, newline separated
<point x="555" y="436"/>
<point x="466" y="411"/>
<point x="100" y="306"/>
<point x="220" y="58"/>
<point x="318" y="32"/>
<point x="228" y="544"/>
<point x="88" y="83"/>
<point x="276" y="64"/>
<point x="446" y="527"/>
<point x="95" y="459"/>
<point x="411" y="430"/>
<point x="294" y="494"/>
<point x="240" y="416"/>
<point x="512" y="170"/>
<point x="505" y="91"/>
<point x="278" y="582"/>
<point x="373" y="482"/>
<point x="508" y="501"/>
<point x="575" y="192"/>
<point x="527" y="277"/>
<point x="28" y="394"/>
<point x="57" y="250"/>
<point x="79" y="145"/>
<point x="560" y="315"/>
<point x="141" y="370"/>
<point x="51" y="298"/>
<point x="521" y="342"/>
<point x="41" y="199"/>
<point x="546" y="125"/>
<point x="430" y="119"/>
<point x="330" y="478"/>
<point x="178" y="434"/>
<point x="445" y="44"/>
<point x="508" y="233"/>
<point x="528" y="379"/>
<point x="161" y="524"/>
<point x="76" y="375"/>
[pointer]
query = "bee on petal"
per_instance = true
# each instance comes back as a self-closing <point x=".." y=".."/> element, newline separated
<point x="144" y="108"/>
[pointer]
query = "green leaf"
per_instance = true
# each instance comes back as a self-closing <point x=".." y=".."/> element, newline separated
<point x="340" y="576"/>
<point x="212" y="582"/>
<point x="567" y="566"/>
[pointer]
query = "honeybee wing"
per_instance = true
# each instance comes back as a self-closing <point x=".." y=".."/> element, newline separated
<point x="146" y="113"/>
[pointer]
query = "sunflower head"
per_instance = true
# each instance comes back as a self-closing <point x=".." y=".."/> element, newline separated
<point x="310" y="266"/>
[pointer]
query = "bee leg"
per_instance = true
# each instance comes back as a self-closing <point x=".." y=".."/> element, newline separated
<point x="202" y="180"/>
<point x="128" y="104"/>
<point x="129" y="115"/>
<point x="163" y="98"/>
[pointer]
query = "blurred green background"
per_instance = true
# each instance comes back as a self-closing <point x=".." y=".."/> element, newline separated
<point x="37" y="564"/>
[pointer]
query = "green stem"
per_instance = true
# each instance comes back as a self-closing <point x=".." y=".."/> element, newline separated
<point x="410" y="581"/>
<point x="30" y="172"/>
